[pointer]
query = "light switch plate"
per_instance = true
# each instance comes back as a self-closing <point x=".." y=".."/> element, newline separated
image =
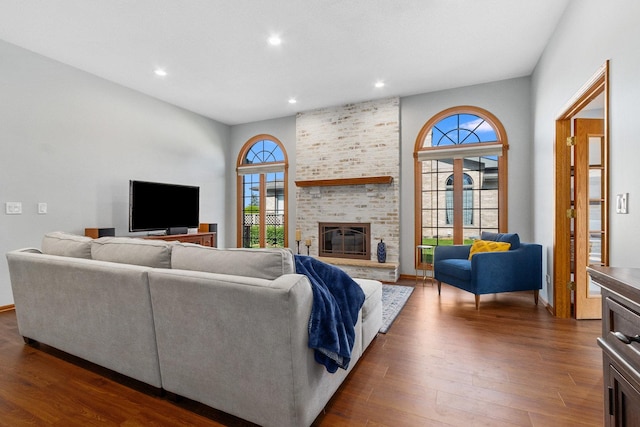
<point x="622" y="203"/>
<point x="13" y="208"/>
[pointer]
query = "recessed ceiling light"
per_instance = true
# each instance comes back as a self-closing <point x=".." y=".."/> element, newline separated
<point x="275" y="41"/>
<point x="379" y="84"/>
<point x="160" y="72"/>
<point x="292" y="101"/>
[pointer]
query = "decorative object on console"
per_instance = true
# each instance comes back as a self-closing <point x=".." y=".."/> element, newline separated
<point x="307" y="243"/>
<point x="382" y="251"/>
<point x="298" y="238"/>
<point x="96" y="233"/>
<point x="208" y="228"/>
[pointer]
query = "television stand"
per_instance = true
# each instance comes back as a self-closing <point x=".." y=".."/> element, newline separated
<point x="204" y="239"/>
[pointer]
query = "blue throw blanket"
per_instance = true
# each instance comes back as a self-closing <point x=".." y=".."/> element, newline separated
<point x="337" y="299"/>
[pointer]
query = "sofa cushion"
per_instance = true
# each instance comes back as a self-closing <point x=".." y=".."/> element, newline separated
<point x="126" y="250"/>
<point x="372" y="295"/>
<point x="458" y="268"/>
<point x="268" y="263"/>
<point x="65" y="244"/>
<point x="511" y="238"/>
<point x="488" y="246"/>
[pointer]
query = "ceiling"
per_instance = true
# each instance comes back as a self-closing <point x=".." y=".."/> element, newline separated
<point x="219" y="63"/>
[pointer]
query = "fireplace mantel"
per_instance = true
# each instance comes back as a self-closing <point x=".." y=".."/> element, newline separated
<point x="383" y="179"/>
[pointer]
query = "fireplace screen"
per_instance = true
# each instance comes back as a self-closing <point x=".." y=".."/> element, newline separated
<point x="345" y="240"/>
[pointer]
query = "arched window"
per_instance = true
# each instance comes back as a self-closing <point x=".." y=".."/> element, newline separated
<point x="461" y="169"/>
<point x="262" y="193"/>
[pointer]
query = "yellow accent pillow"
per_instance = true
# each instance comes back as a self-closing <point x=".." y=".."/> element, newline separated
<point x="488" y="246"/>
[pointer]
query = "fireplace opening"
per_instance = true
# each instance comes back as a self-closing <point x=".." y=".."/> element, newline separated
<point x="344" y="240"/>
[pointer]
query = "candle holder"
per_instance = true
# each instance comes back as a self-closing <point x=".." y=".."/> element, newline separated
<point x="308" y="245"/>
<point x="298" y="239"/>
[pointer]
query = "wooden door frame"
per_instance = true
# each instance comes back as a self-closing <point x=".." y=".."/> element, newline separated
<point x="597" y="84"/>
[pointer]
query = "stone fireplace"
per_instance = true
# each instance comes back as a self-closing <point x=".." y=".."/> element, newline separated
<point x="347" y="172"/>
<point x="344" y="240"/>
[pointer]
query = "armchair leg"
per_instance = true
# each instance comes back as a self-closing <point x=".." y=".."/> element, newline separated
<point x="536" y="293"/>
<point x="477" y="302"/>
<point x="439" y="286"/>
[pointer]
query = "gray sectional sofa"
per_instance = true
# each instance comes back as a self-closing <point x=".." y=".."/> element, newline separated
<point x="224" y="327"/>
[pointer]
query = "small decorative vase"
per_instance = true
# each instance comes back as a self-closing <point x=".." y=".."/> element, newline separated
<point x="382" y="251"/>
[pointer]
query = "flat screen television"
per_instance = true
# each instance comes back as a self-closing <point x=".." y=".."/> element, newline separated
<point x="156" y="206"/>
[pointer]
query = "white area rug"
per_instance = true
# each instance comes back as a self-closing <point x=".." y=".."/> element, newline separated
<point x="394" y="297"/>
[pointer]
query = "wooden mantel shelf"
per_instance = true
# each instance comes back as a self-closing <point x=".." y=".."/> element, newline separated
<point x="384" y="179"/>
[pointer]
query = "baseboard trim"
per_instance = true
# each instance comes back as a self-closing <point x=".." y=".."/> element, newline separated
<point x="548" y="306"/>
<point x="7" y="308"/>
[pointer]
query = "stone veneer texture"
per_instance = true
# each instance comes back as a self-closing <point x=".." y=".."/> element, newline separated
<point x="350" y="141"/>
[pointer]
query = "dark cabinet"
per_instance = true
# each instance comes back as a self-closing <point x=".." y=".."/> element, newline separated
<point x="623" y="399"/>
<point x="620" y="343"/>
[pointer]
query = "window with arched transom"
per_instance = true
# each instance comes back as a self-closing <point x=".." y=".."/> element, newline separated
<point x="262" y="193"/>
<point x="461" y="169"/>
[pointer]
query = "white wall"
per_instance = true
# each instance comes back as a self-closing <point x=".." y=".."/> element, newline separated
<point x="509" y="101"/>
<point x="591" y="32"/>
<point x="74" y="141"/>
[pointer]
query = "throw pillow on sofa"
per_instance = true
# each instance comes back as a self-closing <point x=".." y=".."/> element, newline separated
<point x="126" y="250"/>
<point x="488" y="246"/>
<point x="267" y="264"/>
<point x="65" y="244"/>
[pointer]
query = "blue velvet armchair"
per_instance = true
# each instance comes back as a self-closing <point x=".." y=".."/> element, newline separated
<point x="518" y="269"/>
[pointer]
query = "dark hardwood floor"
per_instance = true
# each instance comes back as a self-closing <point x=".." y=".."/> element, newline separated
<point x="442" y="363"/>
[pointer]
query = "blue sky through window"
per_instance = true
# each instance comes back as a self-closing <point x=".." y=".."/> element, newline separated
<point x="462" y="129"/>
<point x="264" y="151"/>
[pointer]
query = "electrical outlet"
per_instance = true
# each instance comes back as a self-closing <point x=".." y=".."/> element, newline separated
<point x="548" y="279"/>
<point x="42" y="208"/>
<point x="13" y="208"/>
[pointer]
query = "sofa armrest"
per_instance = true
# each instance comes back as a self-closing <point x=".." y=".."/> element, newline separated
<point x="515" y="270"/>
<point x="451" y="252"/>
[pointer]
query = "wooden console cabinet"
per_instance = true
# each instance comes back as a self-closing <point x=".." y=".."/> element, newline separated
<point x="620" y="343"/>
<point x="204" y="239"/>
